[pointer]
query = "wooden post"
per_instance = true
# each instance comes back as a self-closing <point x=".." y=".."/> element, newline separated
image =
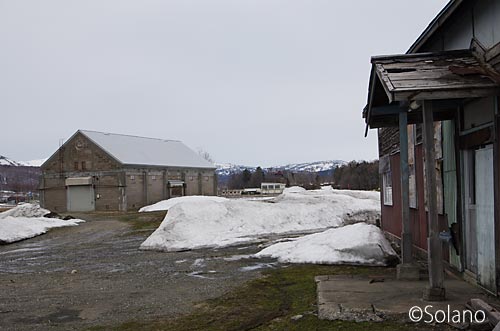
<point x="406" y="270"/>
<point x="435" y="291"/>
<point x="406" y="252"/>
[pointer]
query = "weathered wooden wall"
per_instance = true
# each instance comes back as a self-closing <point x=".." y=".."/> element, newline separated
<point x="391" y="215"/>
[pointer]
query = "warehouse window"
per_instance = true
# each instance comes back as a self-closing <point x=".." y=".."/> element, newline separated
<point x="76" y="165"/>
<point x="84" y="166"/>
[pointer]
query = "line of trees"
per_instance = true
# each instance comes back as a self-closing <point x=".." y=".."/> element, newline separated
<point x="357" y="176"/>
<point x="249" y="179"/>
<point x="354" y="175"/>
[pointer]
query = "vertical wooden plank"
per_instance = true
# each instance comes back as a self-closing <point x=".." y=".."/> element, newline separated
<point x="450" y="183"/>
<point x="435" y="291"/>
<point x="406" y="252"/>
<point x="486" y="272"/>
<point x="496" y="176"/>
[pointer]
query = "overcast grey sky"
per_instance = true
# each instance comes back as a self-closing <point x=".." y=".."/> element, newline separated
<point x="261" y="82"/>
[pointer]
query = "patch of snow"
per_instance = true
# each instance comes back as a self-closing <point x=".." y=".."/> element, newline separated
<point x="167" y="204"/>
<point x="26" y="221"/>
<point x="351" y="244"/>
<point x="198" y="274"/>
<point x="238" y="257"/>
<point x="294" y="189"/>
<point x="25" y="210"/>
<point x="203" y="223"/>
<point x="18" y="228"/>
<point x="198" y="263"/>
<point x="257" y="266"/>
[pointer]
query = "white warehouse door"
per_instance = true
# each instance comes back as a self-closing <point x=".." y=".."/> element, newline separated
<point x="80" y="198"/>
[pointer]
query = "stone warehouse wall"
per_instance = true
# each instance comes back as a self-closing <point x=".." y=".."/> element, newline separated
<point x="116" y="187"/>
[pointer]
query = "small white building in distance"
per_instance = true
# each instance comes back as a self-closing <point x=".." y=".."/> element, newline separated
<point x="272" y="188"/>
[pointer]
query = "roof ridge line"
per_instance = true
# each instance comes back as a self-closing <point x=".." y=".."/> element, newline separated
<point x="128" y="135"/>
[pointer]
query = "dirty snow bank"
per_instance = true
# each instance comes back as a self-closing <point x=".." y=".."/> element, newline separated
<point x="25" y="210"/>
<point x="351" y="244"/>
<point x="207" y="223"/>
<point x="27" y="221"/>
<point x="167" y="204"/>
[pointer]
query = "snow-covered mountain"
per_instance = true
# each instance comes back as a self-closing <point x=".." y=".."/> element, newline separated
<point x="33" y="163"/>
<point x="226" y="169"/>
<point x="312" y="166"/>
<point x="9" y="162"/>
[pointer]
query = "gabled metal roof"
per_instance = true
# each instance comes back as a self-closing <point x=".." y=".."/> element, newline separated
<point x="133" y="150"/>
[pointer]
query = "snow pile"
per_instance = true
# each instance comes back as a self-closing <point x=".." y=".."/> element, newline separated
<point x="18" y="228"/>
<point x="27" y="221"/>
<point x="25" y="210"/>
<point x="294" y="189"/>
<point x="167" y="204"/>
<point x="208" y="223"/>
<point x="351" y="244"/>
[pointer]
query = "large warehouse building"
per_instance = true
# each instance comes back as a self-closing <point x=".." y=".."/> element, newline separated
<point x="105" y="171"/>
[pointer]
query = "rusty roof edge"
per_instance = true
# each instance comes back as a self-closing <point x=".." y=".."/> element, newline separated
<point x="435" y="24"/>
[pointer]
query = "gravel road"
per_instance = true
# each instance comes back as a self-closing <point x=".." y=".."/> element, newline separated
<point x="93" y="274"/>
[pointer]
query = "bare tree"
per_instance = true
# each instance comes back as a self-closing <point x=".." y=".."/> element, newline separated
<point x="206" y="155"/>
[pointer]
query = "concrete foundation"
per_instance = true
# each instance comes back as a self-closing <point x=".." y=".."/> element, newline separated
<point x="434" y="294"/>
<point x="407" y="271"/>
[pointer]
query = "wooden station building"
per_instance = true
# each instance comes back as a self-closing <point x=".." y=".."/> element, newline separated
<point x="436" y="109"/>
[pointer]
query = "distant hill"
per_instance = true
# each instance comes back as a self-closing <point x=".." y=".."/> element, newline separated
<point x="5" y="161"/>
<point x="18" y="176"/>
<point x="323" y="169"/>
<point x="226" y="169"/>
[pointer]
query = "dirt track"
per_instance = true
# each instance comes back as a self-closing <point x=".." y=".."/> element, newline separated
<point x="93" y="274"/>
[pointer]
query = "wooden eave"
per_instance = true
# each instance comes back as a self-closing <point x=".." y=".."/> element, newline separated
<point x="398" y="80"/>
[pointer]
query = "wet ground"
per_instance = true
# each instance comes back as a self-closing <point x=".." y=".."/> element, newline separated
<point x="94" y="274"/>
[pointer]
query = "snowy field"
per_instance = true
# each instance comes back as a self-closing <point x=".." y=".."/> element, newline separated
<point x="27" y="221"/>
<point x="200" y="222"/>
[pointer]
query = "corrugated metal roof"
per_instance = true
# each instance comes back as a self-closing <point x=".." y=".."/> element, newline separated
<point x="133" y="150"/>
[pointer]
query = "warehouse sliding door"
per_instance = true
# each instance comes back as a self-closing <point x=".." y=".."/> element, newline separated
<point x="80" y="194"/>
